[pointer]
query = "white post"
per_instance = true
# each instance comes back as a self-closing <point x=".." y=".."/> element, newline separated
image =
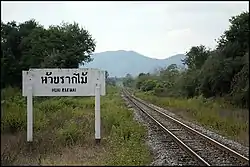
<point x="30" y="112"/>
<point x="97" y="115"/>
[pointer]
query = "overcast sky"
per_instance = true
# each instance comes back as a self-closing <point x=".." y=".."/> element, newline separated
<point x="154" y="29"/>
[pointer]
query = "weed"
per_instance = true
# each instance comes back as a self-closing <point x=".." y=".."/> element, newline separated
<point x="70" y="133"/>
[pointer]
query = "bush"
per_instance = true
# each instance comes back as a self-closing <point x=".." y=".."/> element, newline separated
<point x="13" y="117"/>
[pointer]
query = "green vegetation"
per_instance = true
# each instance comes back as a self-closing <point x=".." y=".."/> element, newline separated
<point x="67" y="123"/>
<point x="210" y="76"/>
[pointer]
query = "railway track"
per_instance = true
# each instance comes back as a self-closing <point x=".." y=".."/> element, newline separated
<point x="201" y="148"/>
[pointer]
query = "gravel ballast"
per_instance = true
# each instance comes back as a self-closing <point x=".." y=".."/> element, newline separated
<point x="164" y="151"/>
<point x="227" y="142"/>
<point x="162" y="147"/>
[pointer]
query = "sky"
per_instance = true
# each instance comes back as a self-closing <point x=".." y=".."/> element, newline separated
<point x="154" y="29"/>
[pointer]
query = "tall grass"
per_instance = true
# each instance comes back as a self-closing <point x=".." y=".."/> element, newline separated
<point x="69" y="122"/>
<point x="214" y="114"/>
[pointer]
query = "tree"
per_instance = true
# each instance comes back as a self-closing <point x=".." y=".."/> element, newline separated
<point x="238" y="32"/>
<point x="149" y="85"/>
<point x="240" y="84"/>
<point x="30" y="45"/>
<point x="128" y="80"/>
<point x="142" y="77"/>
<point x="141" y="74"/>
<point x="12" y="35"/>
<point x="196" y="57"/>
<point x="64" y="46"/>
<point x="106" y="74"/>
<point x="223" y="71"/>
<point x="128" y="76"/>
<point x="168" y="75"/>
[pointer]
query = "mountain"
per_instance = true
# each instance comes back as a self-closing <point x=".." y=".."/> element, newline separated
<point x="119" y="63"/>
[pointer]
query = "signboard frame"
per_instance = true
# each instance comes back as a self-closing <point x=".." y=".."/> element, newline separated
<point x="83" y="82"/>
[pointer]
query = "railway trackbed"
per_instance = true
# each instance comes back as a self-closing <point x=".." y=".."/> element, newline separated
<point x="201" y="149"/>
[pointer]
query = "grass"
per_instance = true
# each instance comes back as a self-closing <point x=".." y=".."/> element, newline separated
<point x="64" y="132"/>
<point x="213" y="114"/>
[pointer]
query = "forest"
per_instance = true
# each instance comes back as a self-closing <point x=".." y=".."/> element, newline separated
<point x="222" y="72"/>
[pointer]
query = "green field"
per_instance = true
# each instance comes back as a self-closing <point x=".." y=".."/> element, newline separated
<point x="64" y="132"/>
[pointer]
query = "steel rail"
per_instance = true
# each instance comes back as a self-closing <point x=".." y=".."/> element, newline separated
<point x="176" y="139"/>
<point x="212" y="141"/>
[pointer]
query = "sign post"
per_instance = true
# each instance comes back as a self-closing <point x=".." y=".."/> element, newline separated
<point x="63" y="82"/>
<point x="97" y="115"/>
<point x="29" y="111"/>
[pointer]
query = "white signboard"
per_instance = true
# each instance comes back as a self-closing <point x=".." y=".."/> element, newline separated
<point x="64" y="82"/>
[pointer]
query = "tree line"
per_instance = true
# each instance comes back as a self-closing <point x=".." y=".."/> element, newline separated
<point x="221" y="72"/>
<point x="30" y="45"/>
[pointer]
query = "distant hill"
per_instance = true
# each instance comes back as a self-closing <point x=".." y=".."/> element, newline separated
<point x="119" y="63"/>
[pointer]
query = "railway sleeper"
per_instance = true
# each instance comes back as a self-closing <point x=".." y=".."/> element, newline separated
<point x="174" y="129"/>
